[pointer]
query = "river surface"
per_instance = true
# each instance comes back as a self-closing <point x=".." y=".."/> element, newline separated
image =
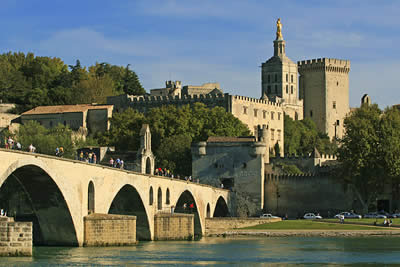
<point x="247" y="251"/>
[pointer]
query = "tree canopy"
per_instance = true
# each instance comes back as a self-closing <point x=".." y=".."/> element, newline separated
<point x="31" y="81"/>
<point x="302" y="136"/>
<point x="370" y="151"/>
<point x="173" y="130"/>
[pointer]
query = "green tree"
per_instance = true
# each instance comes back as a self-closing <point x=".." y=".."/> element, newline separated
<point x="302" y="136"/>
<point x="360" y="152"/>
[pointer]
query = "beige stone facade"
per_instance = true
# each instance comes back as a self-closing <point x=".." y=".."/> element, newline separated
<point x="279" y="81"/>
<point x="324" y="87"/>
<point x="92" y="118"/>
<point x="172" y="88"/>
<point x="205" y="88"/>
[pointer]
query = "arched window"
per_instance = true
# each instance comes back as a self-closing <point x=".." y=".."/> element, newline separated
<point x="208" y="210"/>
<point x="167" y="197"/>
<point x="148" y="166"/>
<point x="91" y="198"/>
<point x="291" y="89"/>
<point x="287" y="89"/>
<point x="159" y="199"/>
<point x="151" y="196"/>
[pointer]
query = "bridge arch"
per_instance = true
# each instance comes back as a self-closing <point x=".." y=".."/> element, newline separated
<point x="221" y="208"/>
<point x="32" y="191"/>
<point x="129" y="202"/>
<point x="183" y="205"/>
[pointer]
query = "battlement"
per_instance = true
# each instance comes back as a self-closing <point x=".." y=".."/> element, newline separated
<point x="326" y="64"/>
<point x="309" y="156"/>
<point x="146" y="98"/>
<point x="295" y="178"/>
<point x="256" y="100"/>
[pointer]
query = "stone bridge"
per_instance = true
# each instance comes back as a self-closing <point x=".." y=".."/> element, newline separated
<point x="56" y="193"/>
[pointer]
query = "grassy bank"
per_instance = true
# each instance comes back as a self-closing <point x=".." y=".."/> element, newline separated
<point x="312" y="225"/>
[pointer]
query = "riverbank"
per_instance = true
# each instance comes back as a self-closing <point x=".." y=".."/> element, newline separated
<point x="309" y="233"/>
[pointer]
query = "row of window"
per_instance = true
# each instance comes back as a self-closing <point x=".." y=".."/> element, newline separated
<point x="269" y="78"/>
<point x="278" y="135"/>
<point x="264" y="112"/>
<point x="276" y="89"/>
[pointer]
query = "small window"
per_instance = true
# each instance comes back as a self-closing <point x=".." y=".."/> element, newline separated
<point x="310" y="113"/>
<point x="264" y="114"/>
<point x="269" y="89"/>
<point x="279" y="116"/>
<point x="255" y="112"/>
<point x="276" y="89"/>
<point x="287" y="77"/>
<point x="244" y="110"/>
<point x="279" y="135"/>
<point x="151" y="196"/>
<point x="291" y="78"/>
<point x="291" y="89"/>
<point x="272" y="134"/>
<point x="337" y="122"/>
<point x="337" y="83"/>
<point x="287" y="89"/>
<point x="272" y="115"/>
<point x="269" y="78"/>
<point x="334" y="104"/>
<point x="276" y="77"/>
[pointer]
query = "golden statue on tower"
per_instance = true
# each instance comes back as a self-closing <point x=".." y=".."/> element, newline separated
<point x="279" y="30"/>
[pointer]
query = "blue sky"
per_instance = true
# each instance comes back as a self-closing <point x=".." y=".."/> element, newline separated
<point x="212" y="41"/>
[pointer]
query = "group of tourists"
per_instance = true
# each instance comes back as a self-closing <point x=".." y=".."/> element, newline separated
<point x="10" y="143"/>
<point x="118" y="163"/>
<point x="59" y="151"/>
<point x="89" y="157"/>
<point x="167" y="173"/>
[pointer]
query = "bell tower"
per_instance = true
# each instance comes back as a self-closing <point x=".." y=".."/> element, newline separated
<point x="279" y="78"/>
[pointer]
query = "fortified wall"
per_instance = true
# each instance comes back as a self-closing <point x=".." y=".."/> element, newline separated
<point x="253" y="112"/>
<point x="296" y="195"/>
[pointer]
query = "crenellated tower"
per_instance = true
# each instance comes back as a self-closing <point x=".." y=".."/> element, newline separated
<point x="324" y="87"/>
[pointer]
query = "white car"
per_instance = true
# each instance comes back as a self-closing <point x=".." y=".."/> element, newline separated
<point x="311" y="216"/>
<point x="268" y="216"/>
<point x="374" y="215"/>
<point x="348" y="215"/>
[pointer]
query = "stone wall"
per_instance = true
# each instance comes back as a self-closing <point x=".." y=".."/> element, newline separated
<point x="220" y="225"/>
<point x="15" y="237"/>
<point x="109" y="230"/>
<point x="298" y="194"/>
<point x="175" y="226"/>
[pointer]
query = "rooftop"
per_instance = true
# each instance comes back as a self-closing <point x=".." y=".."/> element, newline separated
<point x="64" y="109"/>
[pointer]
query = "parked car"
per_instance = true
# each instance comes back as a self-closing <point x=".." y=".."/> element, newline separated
<point x="268" y="216"/>
<point x="396" y="215"/>
<point x="388" y="215"/>
<point x="374" y="215"/>
<point x="348" y="215"/>
<point x="311" y="216"/>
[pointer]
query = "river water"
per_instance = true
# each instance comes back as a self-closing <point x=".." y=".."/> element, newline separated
<point x="248" y="251"/>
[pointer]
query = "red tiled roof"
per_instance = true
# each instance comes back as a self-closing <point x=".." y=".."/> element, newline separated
<point x="64" y="109"/>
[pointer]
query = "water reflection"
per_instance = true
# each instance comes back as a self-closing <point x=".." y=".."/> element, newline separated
<point x="225" y="252"/>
